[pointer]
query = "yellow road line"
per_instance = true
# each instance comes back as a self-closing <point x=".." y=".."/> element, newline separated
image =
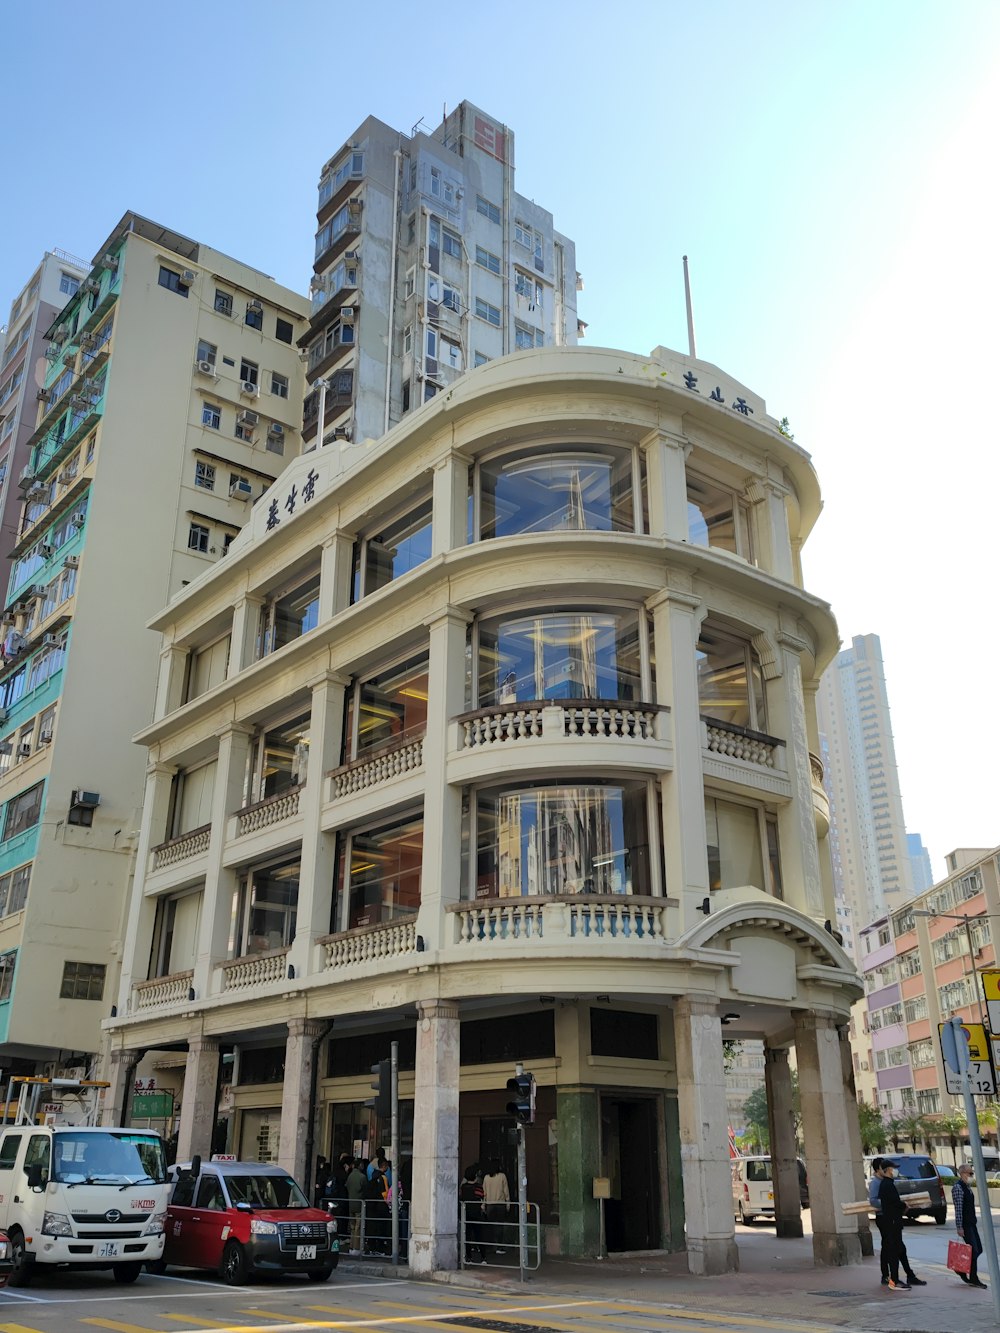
<point x="186" y="1319"/>
<point x="284" y="1318"/>
<point x="18" y="1328"/>
<point x="293" y="1323"/>
<point x="118" y="1326"/>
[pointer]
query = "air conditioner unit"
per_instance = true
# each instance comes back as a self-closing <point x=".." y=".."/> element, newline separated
<point x="91" y="285"/>
<point x="356" y="202"/>
<point x="256" y="307"/>
<point x="27" y="476"/>
<point x="205" y="367"/>
<point x="60" y="334"/>
<point x="71" y="562"/>
<point x="8" y="621"/>
<point x="88" y="339"/>
<point x="248" y="418"/>
<point x="79" y="400"/>
<point x="240" y="489"/>
<point x="249" y="388"/>
<point x="352" y="254"/>
<point x="42" y="395"/>
<point x="45" y="736"/>
<point x="22" y="607"/>
<point x="69" y="357"/>
<point x="45" y="549"/>
<point x="37" y="590"/>
<point x="342" y="433"/>
<point x="79" y="518"/>
<point x="37" y="491"/>
<point x="49" y="1069"/>
<point x="76" y="1071"/>
<point x="4" y="714"/>
<point x="109" y="261"/>
<point x="187" y="277"/>
<point x="52" y="351"/>
<point x="85" y="800"/>
<point x="49" y="640"/>
<point x="24" y="750"/>
<point x="276" y="428"/>
<point x="347" y="313"/>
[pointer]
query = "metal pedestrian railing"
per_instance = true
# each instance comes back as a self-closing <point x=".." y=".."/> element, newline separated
<point x="494" y="1241"/>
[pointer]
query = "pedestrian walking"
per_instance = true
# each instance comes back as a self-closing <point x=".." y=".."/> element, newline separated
<point x="878" y="1168"/>
<point x="470" y="1193"/>
<point x="892" y="1210"/>
<point x="966" y="1222"/>
<point x="496" y="1192"/>
<point x="356" y="1181"/>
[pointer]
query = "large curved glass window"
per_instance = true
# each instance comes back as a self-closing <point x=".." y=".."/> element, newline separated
<point x="586" y="490"/>
<point x="561" y="839"/>
<point x="559" y="655"/>
<point x="730" y="681"/>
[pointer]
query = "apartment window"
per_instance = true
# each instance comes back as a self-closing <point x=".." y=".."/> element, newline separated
<point x="283" y="330"/>
<point x="922" y="1053"/>
<point x="432" y="345"/>
<point x="255" y="315"/>
<point x="7" y="962"/>
<point x="486" y="259"/>
<point x="451" y="243"/>
<point x="527" y="287"/>
<point x="387" y="709"/>
<point x="172" y="281"/>
<point x="279" y="758"/>
<point x="211" y="415"/>
<point x="409" y="282"/>
<point x="198" y="536"/>
<point x="249" y="371"/>
<point x="204" y="476"/>
<point x="452" y="298"/>
<point x="206" y="352"/>
<point x="525" y="337"/>
<point x="378" y="874"/>
<point x="23" y="811"/>
<point x="264" y="910"/>
<point x="910" y="964"/>
<point x="434" y="233"/>
<point x="730" y="679"/>
<point x="408" y="340"/>
<point x="82" y="981"/>
<point x="14" y="890"/>
<point x="716" y="518"/>
<point x="523" y="235"/>
<point x="399" y="545"/>
<point x="279" y="384"/>
<point x="68" y="284"/>
<point x="451" y="354"/>
<point x="915" y="1009"/>
<point x="742" y="846"/>
<point x="223" y="302"/>
<point x="558" y="489"/>
<point x="490" y="313"/>
<point x="411" y="229"/>
<point x="480" y="359"/>
<point x="487" y="208"/>
<point x="288" y="615"/>
<point x="274" y="444"/>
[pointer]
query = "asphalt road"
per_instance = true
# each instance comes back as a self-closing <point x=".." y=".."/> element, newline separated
<point x="176" y="1304"/>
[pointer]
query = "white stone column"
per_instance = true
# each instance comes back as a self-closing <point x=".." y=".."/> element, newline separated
<point x="312" y="919"/>
<point x="701" y="1103"/>
<point x="246" y="626"/>
<point x="772" y="546"/>
<point x="450" y="526"/>
<point x="170" y="680"/>
<point x="666" y="483"/>
<point x="802" y="883"/>
<point x="335" y="571"/>
<point x="441" y="865"/>
<point x="220" y="883"/>
<point x="141" y="913"/>
<point x="434" y="1207"/>
<point x="781" y="1126"/>
<point x="201" y="1080"/>
<point x="296" y="1097"/>
<point x="121" y="1075"/>
<point x="677" y="617"/>
<point x="860" y="1184"/>
<point x="827" y="1136"/>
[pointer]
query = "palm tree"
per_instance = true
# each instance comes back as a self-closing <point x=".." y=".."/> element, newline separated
<point x="912" y="1126"/>
<point x="988" y="1116"/>
<point x="894" y="1132"/>
<point x="952" y="1126"/>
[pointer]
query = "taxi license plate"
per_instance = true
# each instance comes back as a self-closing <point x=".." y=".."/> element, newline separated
<point x="305" y="1251"/>
<point x="109" y="1250"/>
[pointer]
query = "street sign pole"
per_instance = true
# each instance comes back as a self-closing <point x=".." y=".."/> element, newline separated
<point x="956" y="1055"/>
<point x="394" y="1145"/>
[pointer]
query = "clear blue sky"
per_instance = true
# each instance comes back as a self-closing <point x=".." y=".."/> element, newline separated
<point x="828" y="168"/>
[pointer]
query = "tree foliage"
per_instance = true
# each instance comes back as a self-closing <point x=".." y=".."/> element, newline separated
<point x="873" y="1135"/>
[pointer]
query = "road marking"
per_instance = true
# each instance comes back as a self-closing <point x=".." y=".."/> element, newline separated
<point x="183" y="1318"/>
<point x="208" y="1290"/>
<point x="674" y="1312"/>
<point x="18" y="1328"/>
<point x="503" y="1311"/>
<point x="117" y="1325"/>
<point x="269" y="1314"/>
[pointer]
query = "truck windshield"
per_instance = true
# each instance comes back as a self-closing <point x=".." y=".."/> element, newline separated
<point x="112" y="1156"/>
<point x="265" y="1191"/>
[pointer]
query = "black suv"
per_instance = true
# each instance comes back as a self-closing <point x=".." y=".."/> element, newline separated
<point x="916" y="1173"/>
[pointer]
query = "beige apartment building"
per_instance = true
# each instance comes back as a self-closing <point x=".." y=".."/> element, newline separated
<point x="495" y="737"/>
<point x="169" y="398"/>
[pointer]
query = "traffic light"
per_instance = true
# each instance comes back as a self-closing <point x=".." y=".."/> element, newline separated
<point x="381" y="1103"/>
<point x="522" y="1108"/>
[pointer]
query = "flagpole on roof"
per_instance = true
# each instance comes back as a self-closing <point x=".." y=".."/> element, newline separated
<point x="690" y="309"/>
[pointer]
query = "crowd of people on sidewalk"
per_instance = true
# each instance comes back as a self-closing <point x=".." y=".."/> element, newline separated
<point x="361" y="1190"/>
<point x="890" y="1210"/>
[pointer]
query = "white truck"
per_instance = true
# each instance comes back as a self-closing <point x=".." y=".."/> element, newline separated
<point x="79" y="1195"/>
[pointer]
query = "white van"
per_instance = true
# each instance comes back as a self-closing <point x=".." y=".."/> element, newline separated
<point x="82" y="1196"/>
<point x="753" y="1188"/>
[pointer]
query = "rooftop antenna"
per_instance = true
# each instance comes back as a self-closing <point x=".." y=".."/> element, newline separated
<point x="690" y="310"/>
<point x="416" y="127"/>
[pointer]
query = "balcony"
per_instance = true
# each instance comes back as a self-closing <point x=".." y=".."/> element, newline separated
<point x="618" y="921"/>
<point x="262" y="969"/>
<point x="161" y="992"/>
<point x="371" y="944"/>
<point x="589" y="718"/>
<point x="740" y="758"/>
<point x="272" y="810"/>
<point x="181" y="848"/>
<point x="372" y="770"/>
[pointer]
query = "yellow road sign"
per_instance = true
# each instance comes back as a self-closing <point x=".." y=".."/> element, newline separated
<point x="980" y="1064"/>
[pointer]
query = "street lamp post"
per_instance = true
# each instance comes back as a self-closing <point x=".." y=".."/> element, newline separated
<point x="966" y="920"/>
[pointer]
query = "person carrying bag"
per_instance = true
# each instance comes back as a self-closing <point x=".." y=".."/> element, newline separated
<point x="967" y="1225"/>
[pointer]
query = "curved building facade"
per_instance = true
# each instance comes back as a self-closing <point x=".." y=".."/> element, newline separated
<point x="496" y="738"/>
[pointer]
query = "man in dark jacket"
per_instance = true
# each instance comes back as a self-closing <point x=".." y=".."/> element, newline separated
<point x="966" y="1222"/>
<point x="891" y="1211"/>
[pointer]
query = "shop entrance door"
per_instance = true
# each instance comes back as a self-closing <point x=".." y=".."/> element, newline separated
<point x="630" y="1159"/>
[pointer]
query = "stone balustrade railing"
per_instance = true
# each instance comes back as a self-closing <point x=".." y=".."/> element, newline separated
<point x="732" y="742"/>
<point x="285" y="805"/>
<point x="256" y="970"/>
<point x="621" y="919"/>
<point x="593" y="718"/>
<point x="369" y="772"/>
<point x="179" y="849"/>
<point x="495" y="920"/>
<point x="559" y="917"/>
<point x="368" y="945"/>
<point x="161" y="991"/>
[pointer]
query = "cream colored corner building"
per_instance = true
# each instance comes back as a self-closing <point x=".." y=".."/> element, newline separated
<point x="496" y="737"/>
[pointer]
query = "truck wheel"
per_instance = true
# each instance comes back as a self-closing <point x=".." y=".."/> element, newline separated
<point x="233" y="1269"/>
<point x="22" y="1264"/>
<point x="126" y="1272"/>
<point x="319" y="1274"/>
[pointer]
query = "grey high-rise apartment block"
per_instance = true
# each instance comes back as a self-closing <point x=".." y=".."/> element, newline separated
<point x="871" y="859"/>
<point x="427" y="263"/>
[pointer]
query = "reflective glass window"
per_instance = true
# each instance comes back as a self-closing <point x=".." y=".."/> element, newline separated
<point x="552" y="492"/>
<point x="563" y="655"/>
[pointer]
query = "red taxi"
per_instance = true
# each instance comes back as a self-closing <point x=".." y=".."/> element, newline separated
<point x="241" y="1218"/>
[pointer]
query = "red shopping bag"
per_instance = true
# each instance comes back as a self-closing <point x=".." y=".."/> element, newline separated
<point x="959" y="1256"/>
